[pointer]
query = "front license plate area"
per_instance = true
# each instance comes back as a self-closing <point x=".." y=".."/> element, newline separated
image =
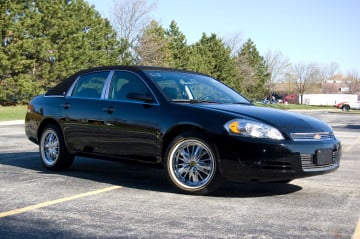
<point x="323" y="157"/>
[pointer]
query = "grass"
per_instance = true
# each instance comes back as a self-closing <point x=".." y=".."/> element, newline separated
<point x="297" y="107"/>
<point x="12" y="112"/>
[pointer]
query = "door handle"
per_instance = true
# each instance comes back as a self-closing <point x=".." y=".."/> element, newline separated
<point x="109" y="110"/>
<point x="65" y="106"/>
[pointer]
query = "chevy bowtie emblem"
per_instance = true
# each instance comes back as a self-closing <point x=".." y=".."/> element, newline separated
<point x="317" y="136"/>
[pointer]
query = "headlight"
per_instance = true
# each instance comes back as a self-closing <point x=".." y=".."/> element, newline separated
<point x="250" y="128"/>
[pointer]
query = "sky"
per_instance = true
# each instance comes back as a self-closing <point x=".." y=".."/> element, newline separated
<point x="318" y="31"/>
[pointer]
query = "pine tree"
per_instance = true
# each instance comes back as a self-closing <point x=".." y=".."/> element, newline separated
<point x="45" y="41"/>
<point x="252" y="71"/>
<point x="177" y="46"/>
<point x="211" y="56"/>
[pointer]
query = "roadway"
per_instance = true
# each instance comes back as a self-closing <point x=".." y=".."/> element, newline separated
<point x="102" y="199"/>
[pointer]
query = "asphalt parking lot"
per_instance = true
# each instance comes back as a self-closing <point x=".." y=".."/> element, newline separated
<point x="102" y="199"/>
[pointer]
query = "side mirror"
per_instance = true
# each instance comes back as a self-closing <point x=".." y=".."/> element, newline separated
<point x="140" y="97"/>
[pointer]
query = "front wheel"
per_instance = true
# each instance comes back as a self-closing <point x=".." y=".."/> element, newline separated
<point x="191" y="164"/>
<point x="53" y="152"/>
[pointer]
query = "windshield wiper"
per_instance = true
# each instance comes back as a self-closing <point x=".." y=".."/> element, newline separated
<point x="193" y="101"/>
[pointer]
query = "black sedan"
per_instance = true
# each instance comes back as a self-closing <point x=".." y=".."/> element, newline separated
<point x="199" y="129"/>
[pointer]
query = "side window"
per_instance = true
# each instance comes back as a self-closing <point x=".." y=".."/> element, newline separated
<point x="127" y="86"/>
<point x="90" y="85"/>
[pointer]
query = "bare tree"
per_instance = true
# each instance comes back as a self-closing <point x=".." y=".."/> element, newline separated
<point x="130" y="17"/>
<point x="329" y="71"/>
<point x="305" y="75"/>
<point x="234" y="42"/>
<point x="278" y="67"/>
<point x="354" y="82"/>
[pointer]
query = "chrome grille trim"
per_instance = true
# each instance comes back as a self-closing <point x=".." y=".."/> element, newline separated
<point x="318" y="136"/>
<point x="308" y="165"/>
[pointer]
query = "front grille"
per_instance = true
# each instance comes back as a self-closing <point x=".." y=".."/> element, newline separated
<point x="308" y="162"/>
<point x="319" y="136"/>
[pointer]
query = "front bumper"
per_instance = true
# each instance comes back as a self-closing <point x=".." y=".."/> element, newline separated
<point x="245" y="159"/>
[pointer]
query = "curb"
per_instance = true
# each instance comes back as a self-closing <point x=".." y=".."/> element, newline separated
<point x="12" y="122"/>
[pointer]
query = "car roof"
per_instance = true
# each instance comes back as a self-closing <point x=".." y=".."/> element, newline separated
<point x="62" y="87"/>
<point x="131" y="68"/>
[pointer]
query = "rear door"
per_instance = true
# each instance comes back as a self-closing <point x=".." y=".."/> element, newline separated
<point x="130" y="119"/>
<point x="80" y="112"/>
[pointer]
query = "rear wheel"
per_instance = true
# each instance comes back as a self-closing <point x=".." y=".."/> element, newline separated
<point x="191" y="164"/>
<point x="345" y="108"/>
<point x="53" y="152"/>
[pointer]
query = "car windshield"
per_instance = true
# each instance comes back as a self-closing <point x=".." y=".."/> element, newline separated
<point x="184" y="87"/>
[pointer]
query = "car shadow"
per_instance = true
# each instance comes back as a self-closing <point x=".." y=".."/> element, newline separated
<point x="138" y="176"/>
<point x="253" y="189"/>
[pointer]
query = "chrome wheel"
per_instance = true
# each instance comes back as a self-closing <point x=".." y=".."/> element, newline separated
<point x="191" y="164"/>
<point x="50" y="147"/>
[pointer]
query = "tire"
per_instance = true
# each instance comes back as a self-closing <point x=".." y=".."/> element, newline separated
<point x="53" y="152"/>
<point x="191" y="164"/>
<point x="345" y="108"/>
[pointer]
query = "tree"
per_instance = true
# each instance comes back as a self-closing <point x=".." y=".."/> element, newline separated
<point x="235" y="43"/>
<point x="252" y="70"/>
<point x="210" y="56"/>
<point x="152" y="48"/>
<point x="328" y="72"/>
<point x="18" y="67"/>
<point x="177" y="46"/>
<point x="305" y="75"/>
<point x="278" y="67"/>
<point x="354" y="82"/>
<point x="130" y="18"/>
<point x="45" y="41"/>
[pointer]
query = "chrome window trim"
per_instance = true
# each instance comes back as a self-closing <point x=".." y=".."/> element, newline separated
<point x="71" y="89"/>
<point x="54" y="96"/>
<point x="106" y="88"/>
<point x="106" y="96"/>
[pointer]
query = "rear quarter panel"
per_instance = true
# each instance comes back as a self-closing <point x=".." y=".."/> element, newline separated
<point x="41" y="108"/>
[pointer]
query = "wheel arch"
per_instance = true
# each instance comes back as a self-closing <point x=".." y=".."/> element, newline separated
<point x="177" y="130"/>
<point x="53" y="121"/>
<point x="192" y="133"/>
<point x="45" y="123"/>
<point x="345" y="107"/>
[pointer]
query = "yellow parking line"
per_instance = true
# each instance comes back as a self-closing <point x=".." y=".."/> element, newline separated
<point x="56" y="201"/>
<point x="357" y="231"/>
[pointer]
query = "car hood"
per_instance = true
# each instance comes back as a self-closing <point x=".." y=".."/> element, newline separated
<point x="286" y="121"/>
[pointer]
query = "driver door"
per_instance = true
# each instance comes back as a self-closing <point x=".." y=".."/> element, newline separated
<point x="130" y="119"/>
